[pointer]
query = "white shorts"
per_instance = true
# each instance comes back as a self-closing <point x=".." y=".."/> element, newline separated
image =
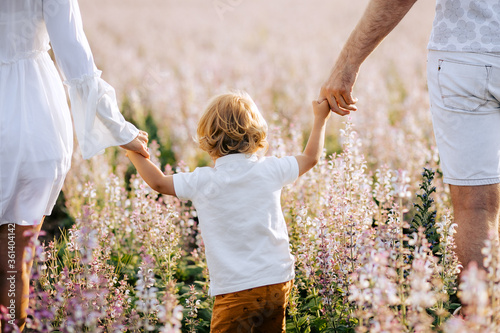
<point x="464" y="90"/>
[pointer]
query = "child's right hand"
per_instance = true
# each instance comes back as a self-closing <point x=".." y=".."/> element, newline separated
<point x="139" y="144"/>
<point x="321" y="109"/>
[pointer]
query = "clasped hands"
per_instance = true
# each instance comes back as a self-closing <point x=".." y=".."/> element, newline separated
<point x="139" y="144"/>
<point x="337" y="90"/>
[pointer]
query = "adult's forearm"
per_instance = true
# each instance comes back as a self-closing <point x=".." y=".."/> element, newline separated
<point x="379" y="19"/>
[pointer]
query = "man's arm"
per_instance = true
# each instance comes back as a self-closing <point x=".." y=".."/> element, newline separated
<point x="379" y="19"/>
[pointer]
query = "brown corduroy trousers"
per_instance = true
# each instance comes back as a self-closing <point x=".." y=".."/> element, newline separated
<point x="260" y="309"/>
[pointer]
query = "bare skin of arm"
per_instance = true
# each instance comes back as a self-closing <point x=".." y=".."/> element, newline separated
<point x="314" y="148"/>
<point x="379" y="19"/>
<point x="153" y="176"/>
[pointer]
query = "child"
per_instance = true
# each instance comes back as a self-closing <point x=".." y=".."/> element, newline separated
<point x="238" y="204"/>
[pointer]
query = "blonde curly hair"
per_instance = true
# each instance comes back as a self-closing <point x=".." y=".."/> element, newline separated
<point x="231" y="124"/>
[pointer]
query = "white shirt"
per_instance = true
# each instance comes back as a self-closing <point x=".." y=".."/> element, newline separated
<point x="241" y="222"/>
<point x="466" y="26"/>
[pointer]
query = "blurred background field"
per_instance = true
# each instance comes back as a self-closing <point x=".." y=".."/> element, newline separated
<point x="166" y="58"/>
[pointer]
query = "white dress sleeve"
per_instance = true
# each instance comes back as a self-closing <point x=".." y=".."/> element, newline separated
<point x="96" y="116"/>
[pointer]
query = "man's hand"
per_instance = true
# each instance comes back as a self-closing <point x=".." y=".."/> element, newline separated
<point x="338" y="89"/>
<point x="380" y="17"/>
<point x="139" y="144"/>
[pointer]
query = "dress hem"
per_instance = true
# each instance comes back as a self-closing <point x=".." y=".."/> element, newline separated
<point x="22" y="223"/>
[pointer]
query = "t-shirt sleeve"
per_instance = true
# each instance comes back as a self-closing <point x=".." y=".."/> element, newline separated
<point x="288" y="169"/>
<point x="185" y="184"/>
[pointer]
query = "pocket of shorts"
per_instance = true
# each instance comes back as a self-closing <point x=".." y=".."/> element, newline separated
<point x="463" y="86"/>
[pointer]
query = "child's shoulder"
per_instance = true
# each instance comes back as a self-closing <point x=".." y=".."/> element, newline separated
<point x="197" y="172"/>
<point x="278" y="162"/>
<point x="282" y="169"/>
<point x="275" y="159"/>
<point x="199" y="175"/>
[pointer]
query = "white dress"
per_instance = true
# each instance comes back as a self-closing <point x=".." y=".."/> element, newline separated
<point x="36" y="133"/>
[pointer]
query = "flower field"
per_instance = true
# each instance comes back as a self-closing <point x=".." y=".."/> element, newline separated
<point x="369" y="226"/>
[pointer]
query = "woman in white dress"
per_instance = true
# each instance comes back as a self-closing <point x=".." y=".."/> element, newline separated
<point x="36" y="134"/>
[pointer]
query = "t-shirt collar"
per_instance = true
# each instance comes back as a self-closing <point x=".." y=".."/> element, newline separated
<point x="234" y="157"/>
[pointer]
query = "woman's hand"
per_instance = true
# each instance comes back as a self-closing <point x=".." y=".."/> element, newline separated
<point x="139" y="144"/>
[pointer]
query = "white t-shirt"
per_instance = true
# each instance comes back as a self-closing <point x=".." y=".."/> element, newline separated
<point x="466" y="26"/>
<point x="241" y="221"/>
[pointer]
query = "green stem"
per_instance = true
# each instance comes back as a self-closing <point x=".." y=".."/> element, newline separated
<point x="401" y="265"/>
